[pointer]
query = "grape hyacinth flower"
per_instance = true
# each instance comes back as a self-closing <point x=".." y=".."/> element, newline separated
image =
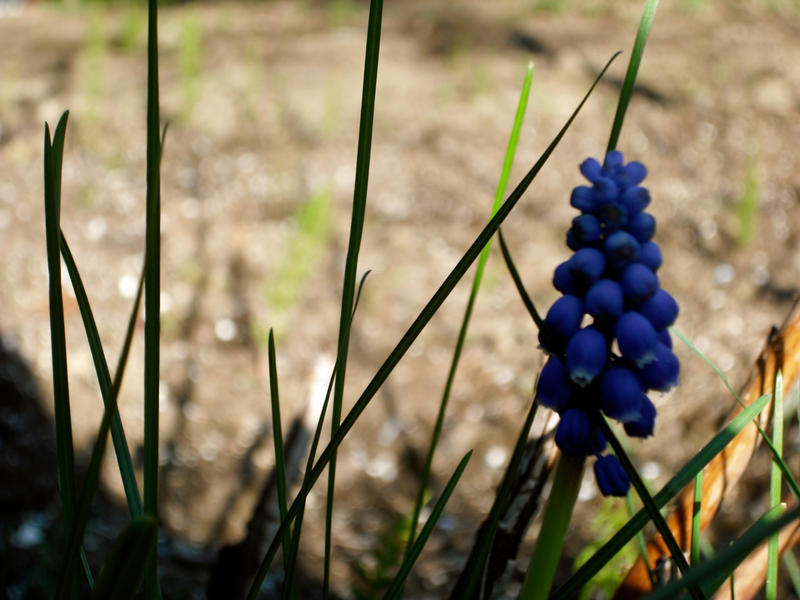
<point x="608" y="366"/>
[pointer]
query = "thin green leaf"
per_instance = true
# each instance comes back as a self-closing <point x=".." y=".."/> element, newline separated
<point x="641" y="545"/>
<point x="110" y="393"/>
<point x="642" y="33"/>
<point x="696" y="517"/>
<point x="476" y="283"/>
<point x="291" y="563"/>
<point x="590" y="568"/>
<point x="775" y="489"/>
<point x="414" y="330"/>
<point x="793" y="569"/>
<point x="354" y="245"/>
<point x="396" y="587"/>
<point x="277" y="436"/>
<point x="152" y="293"/>
<point x="526" y="299"/>
<point x="711" y="573"/>
<point x="107" y="389"/>
<point x="53" y="158"/>
<point x="649" y="504"/>
<point x="790" y="480"/>
<point x="125" y="566"/>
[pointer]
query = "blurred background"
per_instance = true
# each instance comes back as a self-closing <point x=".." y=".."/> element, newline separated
<point x="262" y="101"/>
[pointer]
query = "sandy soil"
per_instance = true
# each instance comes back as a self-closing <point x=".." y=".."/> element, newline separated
<point x="258" y="171"/>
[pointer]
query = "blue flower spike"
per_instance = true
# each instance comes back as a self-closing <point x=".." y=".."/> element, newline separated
<point x="610" y="279"/>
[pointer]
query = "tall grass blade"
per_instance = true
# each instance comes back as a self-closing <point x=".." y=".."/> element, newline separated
<point x="476" y="283"/>
<point x="152" y="293"/>
<point x="354" y="245"/>
<point x="396" y="587"/>
<point x="776" y="456"/>
<point x="694" y="553"/>
<point x="414" y="330"/>
<point x="641" y="545"/>
<point x="775" y="487"/>
<point x="277" y="436"/>
<point x="793" y="569"/>
<point x="711" y="573"/>
<point x="110" y="393"/>
<point x="649" y="504"/>
<point x="289" y="566"/>
<point x="124" y="568"/>
<point x="590" y="568"/>
<point x="642" y="33"/>
<point x="53" y="160"/>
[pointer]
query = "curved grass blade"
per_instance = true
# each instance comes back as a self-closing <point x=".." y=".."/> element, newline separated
<point x="590" y="568"/>
<point x="415" y="329"/>
<point x="776" y="456"/>
<point x="124" y="569"/>
<point x="526" y="299"/>
<point x="711" y="573"/>
<point x="775" y="484"/>
<point x="476" y="283"/>
<point x="396" y="587"/>
<point x="649" y="504"/>
<point x="640" y="543"/>
<point x="277" y="436"/>
<point x="53" y="161"/>
<point x="354" y="245"/>
<point x="108" y="390"/>
<point x="110" y="417"/>
<point x="642" y="33"/>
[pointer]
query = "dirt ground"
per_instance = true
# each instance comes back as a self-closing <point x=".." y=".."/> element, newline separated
<point x="258" y="169"/>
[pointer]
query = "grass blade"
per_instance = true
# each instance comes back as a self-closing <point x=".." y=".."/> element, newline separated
<point x="776" y="456"/>
<point x="642" y="33"/>
<point x="425" y="315"/>
<point x="108" y="391"/>
<point x="277" y="436"/>
<point x="649" y="504"/>
<point x="590" y="568"/>
<point x="696" y="517"/>
<point x="711" y="573"/>
<point x="462" y="333"/>
<point x="152" y="293"/>
<point x="775" y="485"/>
<point x="790" y="562"/>
<point x="640" y="543"/>
<point x="289" y="566"/>
<point x="53" y="160"/>
<point x="354" y="245"/>
<point x="396" y="588"/>
<point x="125" y="566"/>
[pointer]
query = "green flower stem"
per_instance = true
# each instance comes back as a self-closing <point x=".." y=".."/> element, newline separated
<point x="542" y="568"/>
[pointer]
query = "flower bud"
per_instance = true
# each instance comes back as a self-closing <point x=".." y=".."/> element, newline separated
<point x="553" y="387"/>
<point x="636" y="338"/>
<point x="583" y="199"/>
<point x="642" y="226"/>
<point x="638" y="282"/>
<point x="604" y="299"/>
<point x="621" y="394"/>
<point x="621" y="248"/>
<point x="611" y="477"/>
<point x="643" y="426"/>
<point x="635" y="199"/>
<point x="662" y="373"/>
<point x="586" y="355"/>
<point x="660" y="309"/>
<point x="576" y="435"/>
<point x="586" y="266"/>
<point x="591" y="169"/>
<point x="650" y="256"/>
<point x="586" y="229"/>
